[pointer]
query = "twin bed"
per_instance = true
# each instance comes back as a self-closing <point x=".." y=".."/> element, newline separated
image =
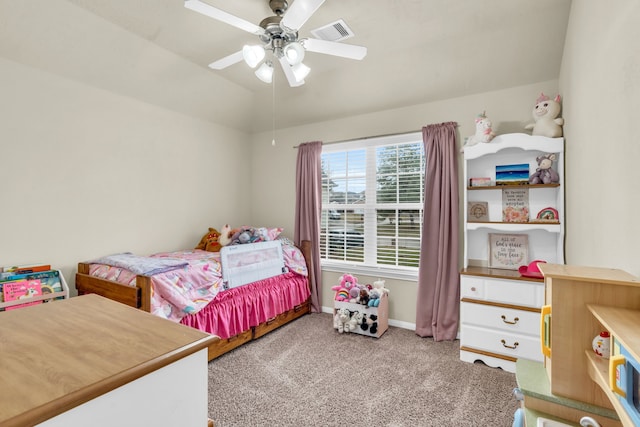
<point x="238" y="294"/>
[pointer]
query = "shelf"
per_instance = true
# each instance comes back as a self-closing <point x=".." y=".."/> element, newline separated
<point x="621" y="323"/>
<point x="500" y="187"/>
<point x="521" y="141"/>
<point x="552" y="227"/>
<point x="497" y="273"/>
<point x="598" y="368"/>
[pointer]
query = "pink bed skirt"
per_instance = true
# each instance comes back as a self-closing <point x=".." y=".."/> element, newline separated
<point x="237" y="310"/>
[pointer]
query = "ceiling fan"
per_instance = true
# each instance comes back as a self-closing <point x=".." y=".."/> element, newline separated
<point x="278" y="34"/>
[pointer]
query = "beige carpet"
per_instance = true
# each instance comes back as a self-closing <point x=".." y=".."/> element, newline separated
<point x="306" y="374"/>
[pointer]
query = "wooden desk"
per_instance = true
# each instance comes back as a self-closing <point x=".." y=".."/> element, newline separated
<point x="86" y="361"/>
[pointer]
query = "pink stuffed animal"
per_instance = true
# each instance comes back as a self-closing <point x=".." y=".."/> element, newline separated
<point x="347" y="281"/>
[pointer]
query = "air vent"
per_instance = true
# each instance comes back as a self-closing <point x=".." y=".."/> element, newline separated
<point x="334" y="32"/>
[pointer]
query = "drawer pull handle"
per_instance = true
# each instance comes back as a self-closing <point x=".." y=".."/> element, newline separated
<point x="515" y="320"/>
<point x="473" y="289"/>
<point x="514" y="346"/>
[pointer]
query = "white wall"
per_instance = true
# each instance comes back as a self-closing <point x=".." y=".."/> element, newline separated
<point x="86" y="173"/>
<point x="274" y="193"/>
<point x="600" y="82"/>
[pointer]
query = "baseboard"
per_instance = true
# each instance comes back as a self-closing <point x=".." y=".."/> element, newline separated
<point x="392" y="322"/>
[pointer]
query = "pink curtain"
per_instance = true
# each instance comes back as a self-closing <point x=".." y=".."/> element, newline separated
<point x="308" y="208"/>
<point x="438" y="301"/>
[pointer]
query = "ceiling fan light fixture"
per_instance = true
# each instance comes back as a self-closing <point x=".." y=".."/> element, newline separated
<point x="294" y="52"/>
<point x="252" y="54"/>
<point x="300" y="71"/>
<point x="265" y="72"/>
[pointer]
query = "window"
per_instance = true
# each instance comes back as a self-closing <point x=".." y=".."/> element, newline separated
<point x="372" y="202"/>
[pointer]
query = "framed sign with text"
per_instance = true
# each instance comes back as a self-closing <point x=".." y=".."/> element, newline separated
<point x="508" y="251"/>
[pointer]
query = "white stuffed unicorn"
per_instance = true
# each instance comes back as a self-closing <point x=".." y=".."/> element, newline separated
<point x="484" y="133"/>
<point x="545" y="115"/>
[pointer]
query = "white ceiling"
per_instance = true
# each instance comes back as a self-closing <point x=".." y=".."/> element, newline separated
<point x="418" y="51"/>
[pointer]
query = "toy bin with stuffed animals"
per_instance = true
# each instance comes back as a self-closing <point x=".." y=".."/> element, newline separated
<point x="361" y="309"/>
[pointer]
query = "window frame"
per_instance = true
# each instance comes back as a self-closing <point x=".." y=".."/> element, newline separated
<point x="380" y="270"/>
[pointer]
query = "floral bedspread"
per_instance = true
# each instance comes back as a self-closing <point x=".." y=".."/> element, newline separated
<point x="186" y="290"/>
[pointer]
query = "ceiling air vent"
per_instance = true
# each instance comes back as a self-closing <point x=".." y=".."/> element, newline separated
<point x="334" y="32"/>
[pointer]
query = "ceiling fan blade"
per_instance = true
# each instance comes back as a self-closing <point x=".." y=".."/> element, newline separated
<point x="334" y="48"/>
<point x="288" y="72"/>
<point x="299" y="12"/>
<point x="234" y="58"/>
<point x="221" y="15"/>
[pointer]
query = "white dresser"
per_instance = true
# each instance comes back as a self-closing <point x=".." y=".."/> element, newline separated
<point x="499" y="319"/>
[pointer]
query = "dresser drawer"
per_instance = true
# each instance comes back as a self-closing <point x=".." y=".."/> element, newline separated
<point x="514" y="292"/>
<point x="500" y="318"/>
<point x="501" y="342"/>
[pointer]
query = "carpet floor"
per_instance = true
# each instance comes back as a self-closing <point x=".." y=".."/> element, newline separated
<point x="307" y="374"/>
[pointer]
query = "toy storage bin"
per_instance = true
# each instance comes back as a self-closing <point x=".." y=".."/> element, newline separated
<point x="382" y="311"/>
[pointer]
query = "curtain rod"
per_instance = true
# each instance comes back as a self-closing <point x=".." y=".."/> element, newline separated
<point x="368" y="137"/>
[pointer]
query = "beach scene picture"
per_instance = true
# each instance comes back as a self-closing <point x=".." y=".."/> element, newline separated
<point x="512" y="174"/>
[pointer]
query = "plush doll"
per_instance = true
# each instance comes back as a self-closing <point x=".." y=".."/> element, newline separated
<point x="379" y="285"/>
<point x="544" y="174"/>
<point x="484" y="133"/>
<point x="209" y="241"/>
<point x="342" y="317"/>
<point x="352" y="323"/>
<point x="364" y="296"/>
<point x="374" y="298"/>
<point x="225" y="235"/>
<point x="545" y="116"/>
<point x="354" y="294"/>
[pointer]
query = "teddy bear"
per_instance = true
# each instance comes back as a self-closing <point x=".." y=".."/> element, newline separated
<point x="544" y="174"/>
<point x="363" y="298"/>
<point x="210" y="241"/>
<point x="347" y="281"/>
<point x="484" y="133"/>
<point x="545" y="116"/>
<point x="341" y="317"/>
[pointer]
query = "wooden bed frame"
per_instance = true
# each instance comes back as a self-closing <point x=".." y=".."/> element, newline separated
<point x="140" y="297"/>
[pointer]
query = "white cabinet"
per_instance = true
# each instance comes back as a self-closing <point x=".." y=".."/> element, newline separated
<point x="493" y="298"/>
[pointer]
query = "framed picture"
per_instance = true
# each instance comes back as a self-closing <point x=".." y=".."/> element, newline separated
<point x="508" y="251"/>
<point x="478" y="211"/>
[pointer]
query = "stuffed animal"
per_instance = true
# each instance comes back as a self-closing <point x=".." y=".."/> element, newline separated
<point x="210" y="241"/>
<point x="364" y="296"/>
<point x="226" y="233"/>
<point x="484" y="133"/>
<point x="352" y="323"/>
<point x="379" y="285"/>
<point x="342" y="316"/>
<point x="374" y="298"/>
<point x="544" y="174"/>
<point x="545" y="116"/>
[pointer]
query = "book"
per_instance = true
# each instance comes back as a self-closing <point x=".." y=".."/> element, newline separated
<point x="23" y="269"/>
<point x="515" y="204"/>
<point x="21" y="289"/>
<point x="49" y="281"/>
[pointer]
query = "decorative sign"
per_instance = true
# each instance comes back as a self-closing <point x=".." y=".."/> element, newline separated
<point x="508" y="251"/>
<point x="478" y="212"/>
<point x="515" y="204"/>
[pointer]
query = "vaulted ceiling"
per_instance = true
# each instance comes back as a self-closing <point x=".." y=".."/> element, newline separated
<point x="418" y="51"/>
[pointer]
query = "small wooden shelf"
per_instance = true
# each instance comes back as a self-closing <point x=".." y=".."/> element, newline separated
<point x="500" y="187"/>
<point x="497" y="273"/>
<point x="623" y="325"/>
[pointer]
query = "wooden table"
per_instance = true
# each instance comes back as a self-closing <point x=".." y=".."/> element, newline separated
<point x="87" y="360"/>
